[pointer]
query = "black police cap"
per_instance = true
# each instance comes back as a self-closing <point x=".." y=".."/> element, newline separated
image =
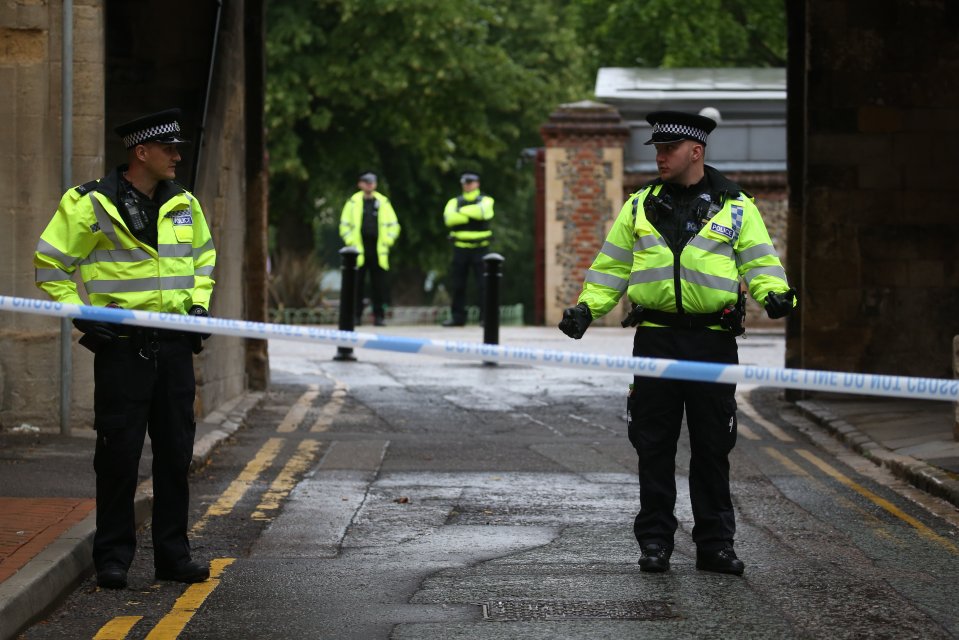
<point x="162" y="126"/>
<point x="675" y="126"/>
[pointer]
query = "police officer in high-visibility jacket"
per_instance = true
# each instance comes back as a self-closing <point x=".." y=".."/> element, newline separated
<point x="140" y="241"/>
<point x="369" y="223"/>
<point x="467" y="216"/>
<point x="678" y="249"/>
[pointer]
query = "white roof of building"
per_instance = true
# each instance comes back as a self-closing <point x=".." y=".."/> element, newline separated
<point x="614" y="84"/>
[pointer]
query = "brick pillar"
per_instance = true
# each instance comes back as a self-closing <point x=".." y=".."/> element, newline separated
<point x="583" y="193"/>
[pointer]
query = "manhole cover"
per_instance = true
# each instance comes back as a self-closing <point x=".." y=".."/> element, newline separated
<point x="507" y="610"/>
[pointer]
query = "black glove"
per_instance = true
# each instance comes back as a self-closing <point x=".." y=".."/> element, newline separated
<point x="576" y="320"/>
<point x="196" y="339"/>
<point x="197" y="310"/>
<point x="780" y="305"/>
<point x="95" y="333"/>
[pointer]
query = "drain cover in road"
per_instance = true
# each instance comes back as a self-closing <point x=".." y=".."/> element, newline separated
<point x="518" y="610"/>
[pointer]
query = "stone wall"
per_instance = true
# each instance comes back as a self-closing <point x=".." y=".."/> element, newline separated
<point x="30" y="188"/>
<point x="879" y="264"/>
<point x="30" y="179"/>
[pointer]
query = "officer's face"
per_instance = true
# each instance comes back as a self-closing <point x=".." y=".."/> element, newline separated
<point x="469" y="185"/>
<point x="159" y="159"/>
<point x="674" y="159"/>
<point x="367" y="187"/>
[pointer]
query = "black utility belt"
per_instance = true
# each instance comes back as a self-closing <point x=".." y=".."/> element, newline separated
<point x="640" y="314"/>
<point x="148" y="333"/>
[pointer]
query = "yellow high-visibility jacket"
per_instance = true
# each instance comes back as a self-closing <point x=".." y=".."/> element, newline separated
<point x="388" y="227"/>
<point x="88" y="232"/>
<point x="703" y="278"/>
<point x="467" y="217"/>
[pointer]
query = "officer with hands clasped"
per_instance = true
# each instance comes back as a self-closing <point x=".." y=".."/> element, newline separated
<point x="678" y="249"/>
<point x="140" y="241"/>
<point x="467" y="216"/>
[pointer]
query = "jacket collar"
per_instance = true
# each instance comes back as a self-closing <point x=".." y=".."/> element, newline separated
<point x="110" y="187"/>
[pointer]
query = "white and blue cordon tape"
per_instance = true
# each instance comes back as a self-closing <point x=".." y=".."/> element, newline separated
<point x="805" y="379"/>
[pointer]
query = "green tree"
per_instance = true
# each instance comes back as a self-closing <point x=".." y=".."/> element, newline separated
<point x="419" y="91"/>
<point x="693" y="33"/>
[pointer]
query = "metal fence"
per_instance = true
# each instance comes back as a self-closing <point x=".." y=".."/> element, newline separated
<point x="509" y="315"/>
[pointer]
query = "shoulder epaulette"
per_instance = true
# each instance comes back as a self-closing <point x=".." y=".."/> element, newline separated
<point x="87" y="187"/>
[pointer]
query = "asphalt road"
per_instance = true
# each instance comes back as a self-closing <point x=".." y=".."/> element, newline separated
<point x="406" y="496"/>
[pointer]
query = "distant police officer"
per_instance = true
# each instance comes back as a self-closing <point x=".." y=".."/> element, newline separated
<point x="369" y="223"/>
<point x="141" y="242"/>
<point x="678" y="249"/>
<point x="467" y="217"/>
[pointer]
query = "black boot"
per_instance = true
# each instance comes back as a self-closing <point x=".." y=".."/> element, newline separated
<point x="654" y="558"/>
<point x="112" y="577"/>
<point x="720" y="561"/>
<point x="189" y="572"/>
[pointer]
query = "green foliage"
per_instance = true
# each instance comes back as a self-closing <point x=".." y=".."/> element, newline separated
<point x="418" y="91"/>
<point x="421" y="90"/>
<point x="692" y="33"/>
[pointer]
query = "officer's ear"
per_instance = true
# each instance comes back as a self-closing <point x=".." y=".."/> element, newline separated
<point x="140" y="151"/>
<point x="698" y="152"/>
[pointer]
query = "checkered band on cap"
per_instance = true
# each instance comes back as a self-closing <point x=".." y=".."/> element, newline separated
<point x="150" y="133"/>
<point x="681" y="129"/>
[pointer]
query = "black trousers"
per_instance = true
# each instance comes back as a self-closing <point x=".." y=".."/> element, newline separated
<point x="465" y="261"/>
<point x="656" y="407"/>
<point x="134" y="395"/>
<point x="377" y="276"/>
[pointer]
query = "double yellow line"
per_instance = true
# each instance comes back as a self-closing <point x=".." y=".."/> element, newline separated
<point x="173" y="623"/>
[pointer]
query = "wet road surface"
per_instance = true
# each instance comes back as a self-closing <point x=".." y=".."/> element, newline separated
<point x="410" y="497"/>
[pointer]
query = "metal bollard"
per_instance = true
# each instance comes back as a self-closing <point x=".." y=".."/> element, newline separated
<point x="347" y="298"/>
<point x="494" y="265"/>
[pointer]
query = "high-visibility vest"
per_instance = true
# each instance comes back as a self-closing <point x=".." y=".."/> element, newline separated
<point x="467" y="217"/>
<point x="388" y="227"/>
<point x="704" y="278"/>
<point x="88" y="232"/>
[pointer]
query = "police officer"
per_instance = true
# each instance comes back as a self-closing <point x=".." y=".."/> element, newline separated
<point x="467" y="217"/>
<point x="369" y="223"/>
<point x="140" y="241"/>
<point x="678" y="249"/>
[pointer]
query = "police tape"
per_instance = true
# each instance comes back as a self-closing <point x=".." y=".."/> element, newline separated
<point x="803" y="379"/>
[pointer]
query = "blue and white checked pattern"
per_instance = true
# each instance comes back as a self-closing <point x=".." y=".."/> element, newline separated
<point x="737" y="213"/>
<point x="681" y="129"/>
<point x="135" y="138"/>
<point x="807" y="379"/>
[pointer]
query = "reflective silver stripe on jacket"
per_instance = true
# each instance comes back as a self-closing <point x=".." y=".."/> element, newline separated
<point x="134" y="285"/>
<point x="117" y="255"/>
<point x="759" y="251"/>
<point x="647" y="242"/>
<point x="708" y="245"/>
<point x="104" y="220"/>
<point x="651" y="275"/>
<point x="708" y="280"/>
<point x="198" y="251"/>
<point x="617" y="253"/>
<point x="777" y="272"/>
<point x="46" y="249"/>
<point x="175" y="250"/>
<point x="605" y="279"/>
<point x="204" y="271"/>
<point x="51" y="275"/>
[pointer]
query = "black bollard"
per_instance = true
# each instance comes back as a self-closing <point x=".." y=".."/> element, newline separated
<point x="347" y="298"/>
<point x="494" y="265"/>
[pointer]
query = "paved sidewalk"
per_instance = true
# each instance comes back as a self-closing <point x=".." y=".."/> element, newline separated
<point x="46" y="529"/>
<point x="913" y="438"/>
<point x="47" y="521"/>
